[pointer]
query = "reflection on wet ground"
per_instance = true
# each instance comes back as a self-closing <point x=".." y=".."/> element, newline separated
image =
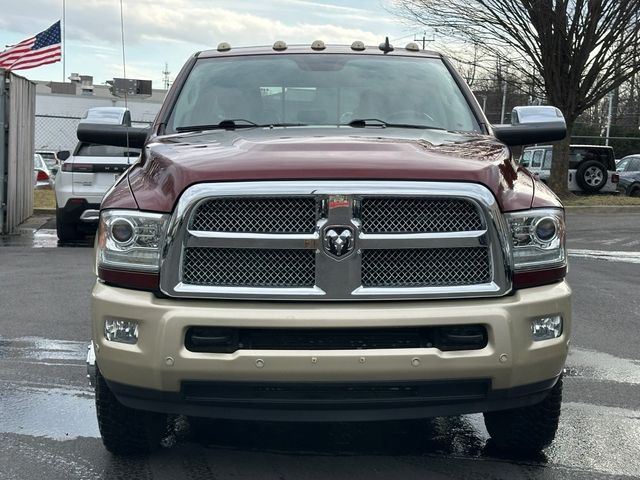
<point x="592" y="439"/>
<point x="42" y="238"/>
<point x="59" y="414"/>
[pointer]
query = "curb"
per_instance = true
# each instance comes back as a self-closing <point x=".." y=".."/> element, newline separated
<point x="44" y="211"/>
<point x="604" y="209"/>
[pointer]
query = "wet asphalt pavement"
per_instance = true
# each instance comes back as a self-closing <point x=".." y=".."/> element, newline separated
<point x="47" y="415"/>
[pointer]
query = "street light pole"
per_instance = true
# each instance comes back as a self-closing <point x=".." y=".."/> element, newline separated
<point x="609" y="116"/>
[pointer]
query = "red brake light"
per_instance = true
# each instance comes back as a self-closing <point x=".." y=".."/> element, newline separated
<point x="42" y="176"/>
<point x="615" y="178"/>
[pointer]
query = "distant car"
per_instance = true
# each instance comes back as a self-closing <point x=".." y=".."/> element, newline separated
<point x="592" y="168"/>
<point x="629" y="170"/>
<point x="42" y="177"/>
<point x="50" y="157"/>
<point x="87" y="174"/>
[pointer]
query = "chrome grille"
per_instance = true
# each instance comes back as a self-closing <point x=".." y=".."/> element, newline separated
<point x="418" y="215"/>
<point x="248" y="267"/>
<point x="256" y="215"/>
<point x="440" y="267"/>
<point x="272" y="241"/>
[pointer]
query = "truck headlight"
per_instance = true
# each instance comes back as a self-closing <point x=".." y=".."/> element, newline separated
<point x="130" y="240"/>
<point x="538" y="239"/>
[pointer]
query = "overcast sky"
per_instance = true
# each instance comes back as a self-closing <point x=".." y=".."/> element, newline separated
<point x="159" y="31"/>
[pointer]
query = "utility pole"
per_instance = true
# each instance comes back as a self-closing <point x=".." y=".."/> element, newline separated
<point x="423" y="40"/>
<point x="609" y="116"/>
<point x="165" y="76"/>
<point x="504" y="100"/>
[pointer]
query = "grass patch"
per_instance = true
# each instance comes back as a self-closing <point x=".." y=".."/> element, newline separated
<point x="600" y="201"/>
<point x="44" y="199"/>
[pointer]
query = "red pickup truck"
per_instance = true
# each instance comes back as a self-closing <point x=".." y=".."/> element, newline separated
<point x="328" y="233"/>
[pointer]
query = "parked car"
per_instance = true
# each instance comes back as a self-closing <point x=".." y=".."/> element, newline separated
<point x="50" y="157"/>
<point x="87" y="174"/>
<point x="629" y="170"/>
<point x="42" y="177"/>
<point x="592" y="168"/>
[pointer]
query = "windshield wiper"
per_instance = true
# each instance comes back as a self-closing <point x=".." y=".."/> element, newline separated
<point x="376" y="122"/>
<point x="230" y="124"/>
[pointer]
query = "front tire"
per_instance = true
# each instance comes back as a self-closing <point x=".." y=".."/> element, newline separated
<point x="124" y="430"/>
<point x="526" y="429"/>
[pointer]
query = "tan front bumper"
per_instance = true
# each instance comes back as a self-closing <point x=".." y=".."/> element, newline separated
<point x="160" y="361"/>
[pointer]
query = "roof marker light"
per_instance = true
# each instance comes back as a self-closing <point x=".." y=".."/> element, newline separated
<point x="318" y="45"/>
<point x="224" y="47"/>
<point x="358" y="46"/>
<point x="412" y="47"/>
<point x="279" y="46"/>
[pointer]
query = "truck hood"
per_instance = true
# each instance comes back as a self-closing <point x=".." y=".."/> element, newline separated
<point x="170" y="164"/>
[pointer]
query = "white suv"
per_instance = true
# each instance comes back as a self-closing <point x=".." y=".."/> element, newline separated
<point x="87" y="174"/>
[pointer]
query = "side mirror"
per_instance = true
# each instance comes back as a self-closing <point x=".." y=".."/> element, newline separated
<point x="63" y="155"/>
<point x="534" y="124"/>
<point x="116" y="135"/>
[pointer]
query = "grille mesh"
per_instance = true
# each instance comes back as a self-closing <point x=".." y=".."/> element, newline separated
<point x="425" y="268"/>
<point x="418" y="215"/>
<point x="256" y="215"/>
<point x="248" y="268"/>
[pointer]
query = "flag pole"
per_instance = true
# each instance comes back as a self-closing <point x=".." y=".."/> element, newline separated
<point x="64" y="43"/>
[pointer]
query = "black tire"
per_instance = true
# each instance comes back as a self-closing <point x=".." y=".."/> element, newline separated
<point x="635" y="191"/>
<point x="526" y="429"/>
<point x="124" y="430"/>
<point x="67" y="232"/>
<point x="591" y="176"/>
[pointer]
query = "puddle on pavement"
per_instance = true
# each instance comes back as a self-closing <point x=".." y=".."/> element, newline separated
<point x="602" y="366"/>
<point x="52" y="413"/>
<point x="42" y="238"/>
<point x="42" y="349"/>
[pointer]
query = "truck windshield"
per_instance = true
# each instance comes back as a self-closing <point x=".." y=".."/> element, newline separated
<point x="322" y="89"/>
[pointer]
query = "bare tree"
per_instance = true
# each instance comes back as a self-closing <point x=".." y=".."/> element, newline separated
<point x="576" y="50"/>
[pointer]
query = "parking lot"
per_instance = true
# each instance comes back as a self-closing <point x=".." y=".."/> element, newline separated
<point x="47" y="416"/>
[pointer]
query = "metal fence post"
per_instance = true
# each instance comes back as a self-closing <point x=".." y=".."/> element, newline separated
<point x="3" y="151"/>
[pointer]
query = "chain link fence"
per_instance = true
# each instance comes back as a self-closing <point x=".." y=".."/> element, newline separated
<point x="56" y="132"/>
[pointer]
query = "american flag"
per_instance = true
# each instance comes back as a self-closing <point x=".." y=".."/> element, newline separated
<point x="42" y="49"/>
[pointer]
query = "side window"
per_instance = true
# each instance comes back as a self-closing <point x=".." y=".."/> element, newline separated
<point x="525" y="160"/>
<point x="548" y="157"/>
<point x="634" y="165"/>
<point x="537" y="158"/>
<point x="622" y="164"/>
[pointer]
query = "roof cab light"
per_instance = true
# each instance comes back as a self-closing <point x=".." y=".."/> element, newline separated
<point x="280" y="46"/>
<point x="538" y="239"/>
<point x="318" y="45"/>
<point x="358" y="46"/>
<point x="224" y="47"/>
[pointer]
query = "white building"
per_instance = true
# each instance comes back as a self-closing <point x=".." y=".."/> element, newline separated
<point x="59" y="106"/>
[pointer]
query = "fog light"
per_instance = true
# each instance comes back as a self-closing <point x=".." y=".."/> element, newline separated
<point x="122" y="331"/>
<point x="546" y="328"/>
